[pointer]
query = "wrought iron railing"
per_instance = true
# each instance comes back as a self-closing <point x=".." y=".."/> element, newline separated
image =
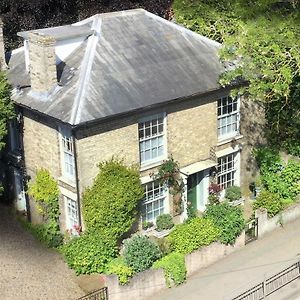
<point x="101" y="294"/>
<point x="271" y="284"/>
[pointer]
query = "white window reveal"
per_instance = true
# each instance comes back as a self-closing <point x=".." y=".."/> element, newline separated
<point x="228" y="117"/>
<point x="152" y="139"/>
<point x="154" y="202"/>
<point x="71" y="214"/>
<point x="227" y="170"/>
<point x="67" y="149"/>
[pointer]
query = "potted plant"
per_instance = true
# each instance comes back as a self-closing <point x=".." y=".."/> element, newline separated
<point x="146" y="225"/>
<point x="214" y="194"/>
<point x="234" y="195"/>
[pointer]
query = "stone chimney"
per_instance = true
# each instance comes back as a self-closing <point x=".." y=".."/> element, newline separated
<point x="3" y="65"/>
<point x="43" y="73"/>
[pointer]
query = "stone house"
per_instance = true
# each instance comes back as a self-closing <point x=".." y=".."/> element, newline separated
<point x="132" y="85"/>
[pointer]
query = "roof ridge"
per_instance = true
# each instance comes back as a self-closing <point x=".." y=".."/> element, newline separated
<point x="85" y="71"/>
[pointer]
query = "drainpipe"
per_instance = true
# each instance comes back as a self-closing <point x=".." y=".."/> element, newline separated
<point x="77" y="180"/>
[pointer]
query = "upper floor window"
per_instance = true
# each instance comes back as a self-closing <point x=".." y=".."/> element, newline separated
<point x="67" y="155"/>
<point x="154" y="203"/>
<point x="152" y="139"/>
<point x="228" y="117"/>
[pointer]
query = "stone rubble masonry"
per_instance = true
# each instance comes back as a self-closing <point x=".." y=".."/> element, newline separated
<point x="43" y="73"/>
<point x="2" y="50"/>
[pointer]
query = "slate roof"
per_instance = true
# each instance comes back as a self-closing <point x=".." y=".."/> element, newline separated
<point x="132" y="60"/>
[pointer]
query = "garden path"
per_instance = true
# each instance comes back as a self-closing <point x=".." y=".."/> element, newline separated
<point x="28" y="270"/>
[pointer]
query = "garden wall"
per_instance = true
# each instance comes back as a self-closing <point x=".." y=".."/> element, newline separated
<point x="266" y="224"/>
<point x="150" y="282"/>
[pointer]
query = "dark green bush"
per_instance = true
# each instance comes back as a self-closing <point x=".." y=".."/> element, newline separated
<point x="89" y="253"/>
<point x="140" y="252"/>
<point x="110" y="205"/>
<point x="174" y="268"/>
<point x="270" y="201"/>
<point x="233" y="193"/>
<point x="228" y="219"/>
<point x="163" y="222"/>
<point x="196" y="233"/>
<point x="118" y="266"/>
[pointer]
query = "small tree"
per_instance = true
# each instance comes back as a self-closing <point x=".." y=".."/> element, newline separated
<point x="110" y="205"/>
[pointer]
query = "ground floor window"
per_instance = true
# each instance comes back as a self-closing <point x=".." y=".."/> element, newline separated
<point x="227" y="170"/>
<point x="154" y="202"/>
<point x="72" y="213"/>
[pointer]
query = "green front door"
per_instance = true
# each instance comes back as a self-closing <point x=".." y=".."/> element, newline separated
<point x="192" y="183"/>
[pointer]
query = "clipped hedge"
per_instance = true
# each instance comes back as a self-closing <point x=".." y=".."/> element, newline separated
<point x="89" y="253"/>
<point x="229" y="219"/>
<point x="174" y="268"/>
<point x="199" y="232"/>
<point x="270" y="201"/>
<point x="140" y="253"/>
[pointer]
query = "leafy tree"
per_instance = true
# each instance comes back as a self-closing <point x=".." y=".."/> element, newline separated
<point x="6" y="108"/>
<point x="110" y="205"/>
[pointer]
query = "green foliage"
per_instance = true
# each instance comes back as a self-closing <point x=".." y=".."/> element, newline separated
<point x="89" y="253"/>
<point x="228" y="219"/>
<point x="198" y="232"/>
<point x="270" y="201"/>
<point x="45" y="192"/>
<point x="163" y="222"/>
<point x="110" y="205"/>
<point x="118" y="266"/>
<point x="47" y="233"/>
<point x="233" y="193"/>
<point x="174" y="268"/>
<point x="163" y="244"/>
<point x="140" y="253"/>
<point x="146" y="225"/>
<point x="6" y="107"/>
<point x="268" y="160"/>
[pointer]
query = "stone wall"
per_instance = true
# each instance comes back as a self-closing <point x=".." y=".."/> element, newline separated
<point x="266" y="224"/>
<point x="148" y="283"/>
<point x="41" y="148"/>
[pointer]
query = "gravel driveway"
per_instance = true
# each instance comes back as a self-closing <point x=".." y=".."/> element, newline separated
<point x="28" y="270"/>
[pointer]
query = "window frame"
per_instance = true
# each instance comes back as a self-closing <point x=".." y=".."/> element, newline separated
<point x="65" y="134"/>
<point x="69" y="224"/>
<point x="234" y="171"/>
<point x="145" y="201"/>
<point x="159" y="158"/>
<point x="226" y="117"/>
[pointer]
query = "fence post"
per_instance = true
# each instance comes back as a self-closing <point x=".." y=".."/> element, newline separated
<point x="264" y="287"/>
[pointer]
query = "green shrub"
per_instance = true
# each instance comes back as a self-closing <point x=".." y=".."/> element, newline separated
<point x="89" y="253"/>
<point x="163" y="244"/>
<point x="268" y="160"/>
<point x="110" y="205"/>
<point x="163" y="222"/>
<point x="118" y="266"/>
<point x="140" y="253"/>
<point x="228" y="219"/>
<point x="196" y="233"/>
<point x="270" y="201"/>
<point x="47" y="233"/>
<point x="174" y="268"/>
<point x="233" y="193"/>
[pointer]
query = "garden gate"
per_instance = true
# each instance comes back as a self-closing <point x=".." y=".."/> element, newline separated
<point x="251" y="231"/>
